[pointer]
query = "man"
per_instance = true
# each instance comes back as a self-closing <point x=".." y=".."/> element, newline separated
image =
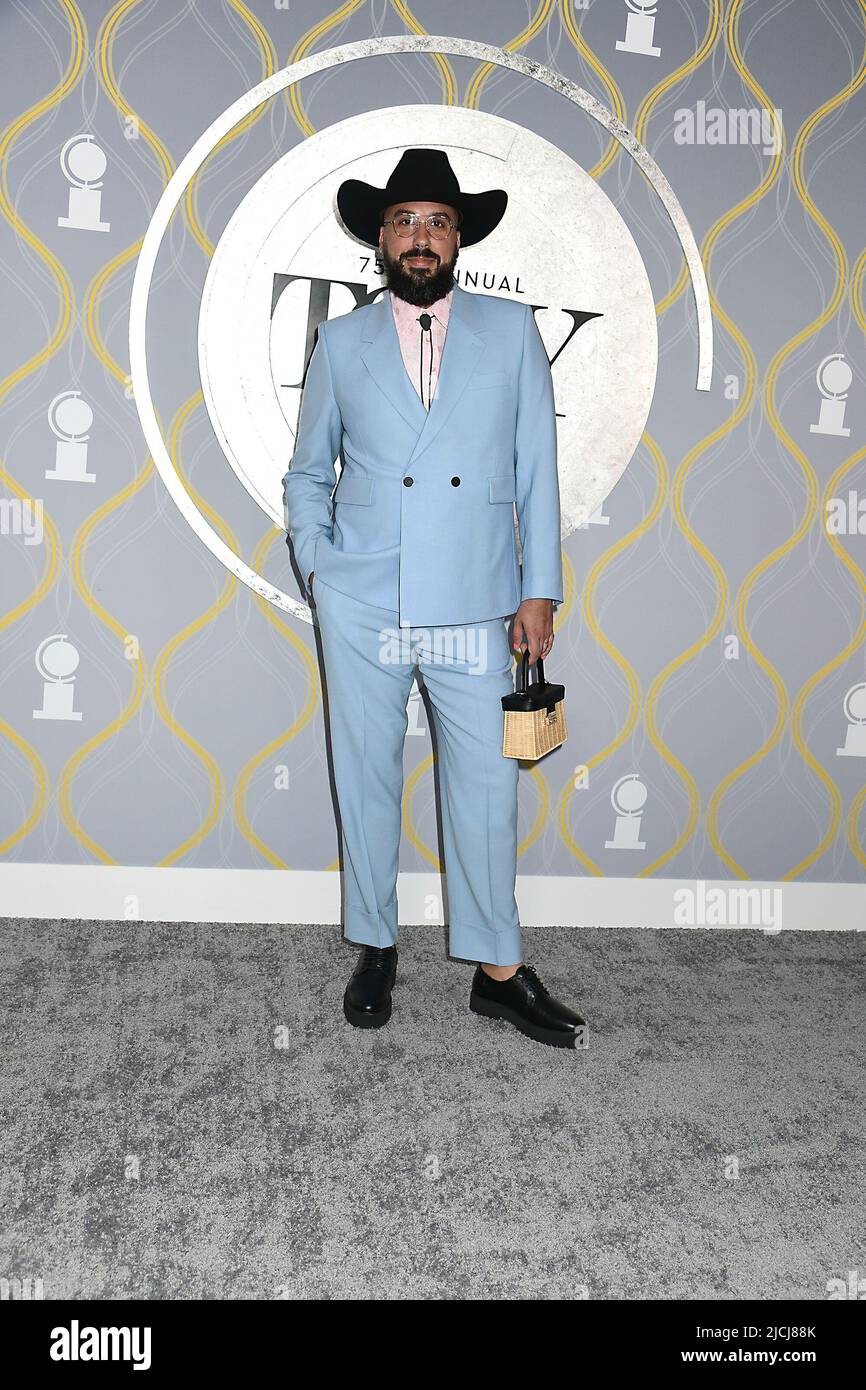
<point x="440" y="405"/>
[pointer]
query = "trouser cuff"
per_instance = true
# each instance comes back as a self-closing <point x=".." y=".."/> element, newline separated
<point x="368" y="930"/>
<point x="467" y="941"/>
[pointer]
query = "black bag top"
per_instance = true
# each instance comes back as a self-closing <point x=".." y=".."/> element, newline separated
<point x="541" y="694"/>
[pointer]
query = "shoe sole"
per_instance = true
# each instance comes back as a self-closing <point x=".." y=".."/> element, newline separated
<point x="486" y="1009"/>
<point x="362" y="1018"/>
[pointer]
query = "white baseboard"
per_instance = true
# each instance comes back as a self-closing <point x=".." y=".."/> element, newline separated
<point x="101" y="893"/>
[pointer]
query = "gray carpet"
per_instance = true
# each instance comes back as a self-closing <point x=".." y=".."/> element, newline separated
<point x="444" y="1156"/>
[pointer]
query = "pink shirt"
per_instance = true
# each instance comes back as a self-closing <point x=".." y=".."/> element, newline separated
<point x="415" y="344"/>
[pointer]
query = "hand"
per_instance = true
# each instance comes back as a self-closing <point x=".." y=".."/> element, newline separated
<point x="533" y="627"/>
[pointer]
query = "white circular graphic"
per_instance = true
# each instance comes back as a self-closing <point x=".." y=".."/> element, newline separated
<point x="284" y="262"/>
<point x="237" y="112"/>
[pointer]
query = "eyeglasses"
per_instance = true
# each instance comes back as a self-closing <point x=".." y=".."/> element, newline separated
<point x="437" y="223"/>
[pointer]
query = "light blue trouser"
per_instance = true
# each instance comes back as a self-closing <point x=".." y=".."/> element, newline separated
<point x="467" y="668"/>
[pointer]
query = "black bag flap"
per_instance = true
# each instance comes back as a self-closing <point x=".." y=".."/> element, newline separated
<point x="536" y="697"/>
<point x="541" y="694"/>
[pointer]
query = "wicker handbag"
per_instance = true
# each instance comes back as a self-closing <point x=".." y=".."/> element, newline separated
<point x="534" y="721"/>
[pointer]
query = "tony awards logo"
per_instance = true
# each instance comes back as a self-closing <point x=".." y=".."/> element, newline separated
<point x="285" y="262"/>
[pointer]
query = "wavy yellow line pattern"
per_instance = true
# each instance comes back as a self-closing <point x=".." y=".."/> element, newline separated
<point x="722" y="22"/>
<point x="105" y="65"/>
<point x="810" y="481"/>
<point x="599" y="570"/>
<point x="65" y="314"/>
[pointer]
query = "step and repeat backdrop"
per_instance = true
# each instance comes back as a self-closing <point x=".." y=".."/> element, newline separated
<point x="685" y="189"/>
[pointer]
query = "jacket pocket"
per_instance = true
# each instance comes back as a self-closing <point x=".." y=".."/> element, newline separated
<point x="356" y="490"/>
<point x="502" y="488"/>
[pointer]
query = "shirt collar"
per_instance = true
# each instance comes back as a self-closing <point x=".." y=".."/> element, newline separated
<point x="406" y="313"/>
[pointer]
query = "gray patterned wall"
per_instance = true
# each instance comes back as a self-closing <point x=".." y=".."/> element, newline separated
<point x="712" y="636"/>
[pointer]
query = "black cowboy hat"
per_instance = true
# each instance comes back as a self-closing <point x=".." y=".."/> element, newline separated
<point x="419" y="176"/>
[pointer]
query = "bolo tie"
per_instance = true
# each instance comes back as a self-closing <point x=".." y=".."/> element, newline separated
<point x="426" y="323"/>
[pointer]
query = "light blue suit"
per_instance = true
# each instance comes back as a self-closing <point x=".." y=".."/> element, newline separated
<point x="437" y="550"/>
<point x="434" y="563"/>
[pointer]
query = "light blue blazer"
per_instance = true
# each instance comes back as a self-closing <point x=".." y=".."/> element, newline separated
<point x="423" y="515"/>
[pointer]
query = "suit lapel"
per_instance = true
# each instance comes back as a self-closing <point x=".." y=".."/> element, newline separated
<point x="384" y="361"/>
<point x="460" y="356"/>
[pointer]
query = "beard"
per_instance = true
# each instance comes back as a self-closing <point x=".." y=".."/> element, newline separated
<point x="416" y="284"/>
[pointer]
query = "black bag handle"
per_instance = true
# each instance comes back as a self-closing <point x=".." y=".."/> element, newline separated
<point x="523" y="673"/>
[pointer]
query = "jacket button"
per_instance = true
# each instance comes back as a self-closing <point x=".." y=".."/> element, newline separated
<point x="407" y="482"/>
<point x="455" y="482"/>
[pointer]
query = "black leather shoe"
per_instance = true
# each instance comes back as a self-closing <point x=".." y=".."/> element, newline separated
<point x="367" y="1001"/>
<point x="528" y="1004"/>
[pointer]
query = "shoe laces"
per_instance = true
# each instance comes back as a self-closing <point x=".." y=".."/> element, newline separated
<point x="536" y="978"/>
